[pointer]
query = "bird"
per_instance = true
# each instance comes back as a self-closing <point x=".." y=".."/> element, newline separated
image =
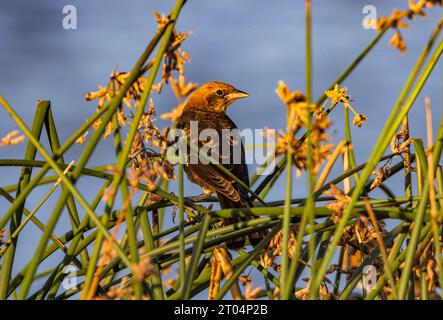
<point x="207" y="106"/>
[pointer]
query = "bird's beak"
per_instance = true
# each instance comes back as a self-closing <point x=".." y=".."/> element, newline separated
<point x="231" y="97"/>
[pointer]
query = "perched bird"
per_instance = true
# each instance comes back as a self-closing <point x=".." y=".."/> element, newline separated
<point x="207" y="106"/>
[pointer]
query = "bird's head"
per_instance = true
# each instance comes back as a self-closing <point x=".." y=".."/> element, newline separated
<point x="214" y="96"/>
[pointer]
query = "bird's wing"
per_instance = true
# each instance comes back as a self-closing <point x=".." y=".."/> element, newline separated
<point x="217" y="180"/>
<point x="209" y="174"/>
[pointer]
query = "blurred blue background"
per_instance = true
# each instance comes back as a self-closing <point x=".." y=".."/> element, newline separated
<point x="251" y="43"/>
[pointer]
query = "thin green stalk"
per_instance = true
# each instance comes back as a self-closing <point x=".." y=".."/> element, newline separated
<point x="196" y="252"/>
<point x="128" y="211"/>
<point x="263" y="193"/>
<point x="148" y="239"/>
<point x="286" y="224"/>
<point x="337" y="279"/>
<point x="309" y="209"/>
<point x="181" y="239"/>
<point x="424" y="294"/>
<point x="93" y="261"/>
<point x="350" y="147"/>
<point x="161" y="212"/>
<point x="294" y="266"/>
<point x="432" y="196"/>
<point x="439" y="175"/>
<point x="407" y="161"/>
<point x="382" y="249"/>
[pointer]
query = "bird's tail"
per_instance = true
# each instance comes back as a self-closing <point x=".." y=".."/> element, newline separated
<point x="239" y="242"/>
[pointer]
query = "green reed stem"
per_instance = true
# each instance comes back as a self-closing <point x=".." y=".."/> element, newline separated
<point x="181" y="218"/>
<point x="157" y="284"/>
<point x="286" y="225"/>
<point x="196" y="252"/>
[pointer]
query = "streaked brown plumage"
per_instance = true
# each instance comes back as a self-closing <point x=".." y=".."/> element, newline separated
<point x="207" y="105"/>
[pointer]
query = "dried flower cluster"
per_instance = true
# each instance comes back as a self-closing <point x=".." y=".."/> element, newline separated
<point x="427" y="267"/>
<point x="360" y="235"/>
<point x="149" y="164"/>
<point x="144" y="268"/>
<point x="274" y="250"/>
<point x="12" y="138"/>
<point x="339" y="205"/>
<point x="396" y="20"/>
<point x="182" y="90"/>
<point x="299" y="112"/>
<point x="221" y="266"/>
<point x="174" y="58"/>
<point x="381" y="174"/>
<point x="251" y="293"/>
<point x="323" y="294"/>
<point x="131" y="100"/>
<point x="175" y="61"/>
<point x="124" y="291"/>
<point x="340" y="95"/>
<point x="401" y="143"/>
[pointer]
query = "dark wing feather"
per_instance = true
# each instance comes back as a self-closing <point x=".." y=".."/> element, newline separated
<point x="217" y="180"/>
<point x="209" y="174"/>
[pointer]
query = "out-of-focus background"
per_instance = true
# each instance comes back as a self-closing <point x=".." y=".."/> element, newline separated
<point x="250" y="43"/>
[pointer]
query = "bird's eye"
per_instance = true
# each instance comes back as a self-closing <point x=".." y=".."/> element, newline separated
<point x="219" y="92"/>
